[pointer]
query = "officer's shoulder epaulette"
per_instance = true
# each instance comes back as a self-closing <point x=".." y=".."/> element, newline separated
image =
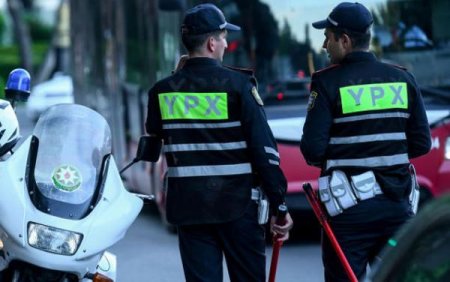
<point x="397" y="66"/>
<point x="242" y="70"/>
<point x="330" y="67"/>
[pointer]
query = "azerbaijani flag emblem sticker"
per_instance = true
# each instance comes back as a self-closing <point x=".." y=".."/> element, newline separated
<point x="66" y="178"/>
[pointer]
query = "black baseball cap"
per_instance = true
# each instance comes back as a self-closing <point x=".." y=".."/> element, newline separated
<point x="351" y="16"/>
<point x="205" y="18"/>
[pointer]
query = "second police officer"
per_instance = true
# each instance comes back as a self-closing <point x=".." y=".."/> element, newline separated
<point x="218" y="147"/>
<point x="365" y="120"/>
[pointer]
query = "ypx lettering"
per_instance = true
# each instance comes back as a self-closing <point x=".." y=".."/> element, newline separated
<point x="378" y="96"/>
<point x="193" y="105"/>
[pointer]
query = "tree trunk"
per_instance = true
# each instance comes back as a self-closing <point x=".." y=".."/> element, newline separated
<point x="57" y="57"/>
<point x="150" y="37"/>
<point x="98" y="56"/>
<point x="84" y="43"/>
<point x="22" y="34"/>
<point x="112" y="26"/>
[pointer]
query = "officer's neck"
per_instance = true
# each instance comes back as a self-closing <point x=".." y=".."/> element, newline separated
<point x="202" y="54"/>
<point x="360" y="50"/>
<point x="351" y="49"/>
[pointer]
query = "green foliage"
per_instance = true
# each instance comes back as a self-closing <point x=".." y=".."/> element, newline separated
<point x="297" y="51"/>
<point x="2" y="26"/>
<point x="39" y="30"/>
<point x="10" y="60"/>
<point x="2" y="86"/>
<point x="286" y="39"/>
<point x="138" y="56"/>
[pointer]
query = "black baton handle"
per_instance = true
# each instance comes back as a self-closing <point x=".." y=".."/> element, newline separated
<point x="281" y="214"/>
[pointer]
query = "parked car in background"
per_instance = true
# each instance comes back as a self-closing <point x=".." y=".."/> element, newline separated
<point x="433" y="169"/>
<point x="287" y="91"/>
<point x="286" y="122"/>
<point x="58" y="90"/>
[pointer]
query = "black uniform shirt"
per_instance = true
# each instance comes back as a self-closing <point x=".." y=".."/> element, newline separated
<point x="191" y="142"/>
<point x="390" y="126"/>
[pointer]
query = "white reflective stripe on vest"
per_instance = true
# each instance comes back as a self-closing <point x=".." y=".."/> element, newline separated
<point x="274" y="162"/>
<point x="205" y="146"/>
<point x="272" y="151"/>
<point x="210" y="170"/>
<point x="202" y="125"/>
<point x="371" y="116"/>
<point x="368" y="138"/>
<point x="370" y="162"/>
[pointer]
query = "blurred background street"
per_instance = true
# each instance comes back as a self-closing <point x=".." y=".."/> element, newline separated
<point x="106" y="55"/>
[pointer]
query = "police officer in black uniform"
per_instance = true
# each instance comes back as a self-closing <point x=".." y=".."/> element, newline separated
<point x="365" y="120"/>
<point x="218" y="147"/>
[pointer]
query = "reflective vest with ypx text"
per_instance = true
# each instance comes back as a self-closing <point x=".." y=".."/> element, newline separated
<point x="217" y="143"/>
<point x="373" y="118"/>
<point x="382" y="105"/>
<point x="210" y="113"/>
<point x="206" y="153"/>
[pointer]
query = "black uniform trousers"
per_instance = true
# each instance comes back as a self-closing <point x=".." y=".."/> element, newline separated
<point x="362" y="231"/>
<point x="242" y="242"/>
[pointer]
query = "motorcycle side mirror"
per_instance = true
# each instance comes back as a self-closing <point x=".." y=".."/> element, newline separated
<point x="149" y="149"/>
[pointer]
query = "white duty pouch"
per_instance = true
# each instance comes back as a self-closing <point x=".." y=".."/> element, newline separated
<point x="341" y="189"/>
<point x="331" y="205"/>
<point x="365" y="185"/>
<point x="414" y="196"/>
<point x="263" y="206"/>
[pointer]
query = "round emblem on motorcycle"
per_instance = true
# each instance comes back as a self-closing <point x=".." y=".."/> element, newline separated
<point x="66" y="178"/>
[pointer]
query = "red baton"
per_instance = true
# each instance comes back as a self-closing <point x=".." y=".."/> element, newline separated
<point x="281" y="219"/>
<point x="323" y="220"/>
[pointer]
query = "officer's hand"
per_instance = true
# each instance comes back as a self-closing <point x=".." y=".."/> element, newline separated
<point x="281" y="232"/>
<point x="181" y="62"/>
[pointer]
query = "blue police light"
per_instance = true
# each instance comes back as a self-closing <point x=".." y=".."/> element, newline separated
<point x="18" y="85"/>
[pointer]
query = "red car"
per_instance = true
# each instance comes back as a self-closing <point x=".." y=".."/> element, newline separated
<point x="286" y="122"/>
<point x="433" y="169"/>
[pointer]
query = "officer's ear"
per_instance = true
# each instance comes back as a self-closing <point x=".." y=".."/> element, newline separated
<point x="346" y="41"/>
<point x="211" y="44"/>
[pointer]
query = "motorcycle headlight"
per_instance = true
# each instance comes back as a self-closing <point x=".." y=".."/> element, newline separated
<point x="53" y="240"/>
<point x="447" y="149"/>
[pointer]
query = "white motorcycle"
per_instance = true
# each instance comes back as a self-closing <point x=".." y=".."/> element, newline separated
<point x="62" y="200"/>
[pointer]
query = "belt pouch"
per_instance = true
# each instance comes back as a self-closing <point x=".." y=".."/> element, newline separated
<point x="326" y="198"/>
<point x="341" y="190"/>
<point x="414" y="196"/>
<point x="263" y="207"/>
<point x="365" y="185"/>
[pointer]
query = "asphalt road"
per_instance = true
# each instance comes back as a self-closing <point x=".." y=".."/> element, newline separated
<point x="150" y="253"/>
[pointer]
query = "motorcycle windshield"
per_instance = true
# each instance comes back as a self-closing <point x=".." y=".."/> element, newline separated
<point x="73" y="142"/>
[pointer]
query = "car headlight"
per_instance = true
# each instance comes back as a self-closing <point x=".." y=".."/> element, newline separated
<point x="447" y="149"/>
<point x="53" y="240"/>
